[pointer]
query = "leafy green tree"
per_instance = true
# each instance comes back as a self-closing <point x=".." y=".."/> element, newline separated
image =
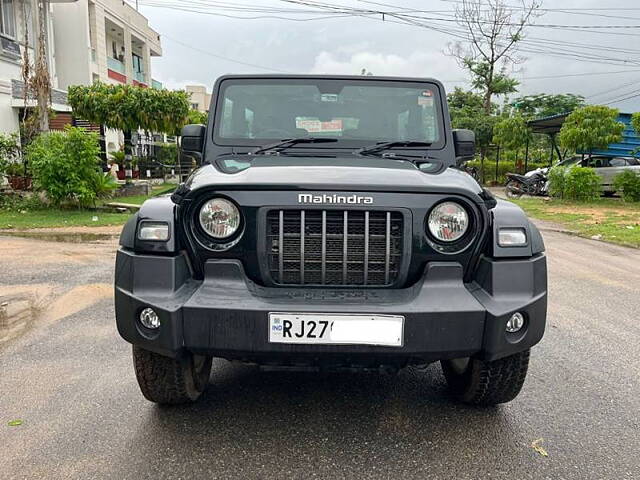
<point x="65" y="165"/>
<point x="635" y="122"/>
<point x="591" y="127"/>
<point x="196" y="117"/>
<point x="511" y="132"/>
<point x="546" y="105"/>
<point x="466" y="109"/>
<point x="130" y="108"/>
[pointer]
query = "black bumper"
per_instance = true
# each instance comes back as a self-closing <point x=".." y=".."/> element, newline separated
<point x="226" y="315"/>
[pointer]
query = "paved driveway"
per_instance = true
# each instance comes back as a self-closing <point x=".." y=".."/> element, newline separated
<point x="71" y="381"/>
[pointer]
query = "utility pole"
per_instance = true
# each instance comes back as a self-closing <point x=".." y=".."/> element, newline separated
<point x="41" y="81"/>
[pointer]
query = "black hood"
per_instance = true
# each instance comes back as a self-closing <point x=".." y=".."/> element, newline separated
<point x="349" y="173"/>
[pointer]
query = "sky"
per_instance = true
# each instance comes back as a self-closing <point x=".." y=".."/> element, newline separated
<point x="602" y="64"/>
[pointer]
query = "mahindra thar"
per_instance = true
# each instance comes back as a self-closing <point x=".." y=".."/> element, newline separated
<point x="329" y="226"/>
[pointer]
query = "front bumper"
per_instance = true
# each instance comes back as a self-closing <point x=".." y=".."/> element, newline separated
<point x="226" y="314"/>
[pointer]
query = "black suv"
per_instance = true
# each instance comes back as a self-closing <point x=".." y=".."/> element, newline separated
<point x="328" y="226"/>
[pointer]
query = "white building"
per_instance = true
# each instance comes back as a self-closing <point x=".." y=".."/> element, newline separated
<point x="200" y="99"/>
<point x="90" y="40"/>
<point x="103" y="40"/>
<point x="14" y="15"/>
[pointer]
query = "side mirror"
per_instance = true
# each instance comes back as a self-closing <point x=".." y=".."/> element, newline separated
<point x="464" y="142"/>
<point x="192" y="141"/>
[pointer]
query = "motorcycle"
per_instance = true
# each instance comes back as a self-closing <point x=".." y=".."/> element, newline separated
<point x="518" y="185"/>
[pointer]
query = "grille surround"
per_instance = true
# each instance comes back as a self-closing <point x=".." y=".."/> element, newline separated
<point x="305" y="260"/>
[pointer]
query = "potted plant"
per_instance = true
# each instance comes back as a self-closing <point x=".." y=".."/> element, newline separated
<point x="18" y="176"/>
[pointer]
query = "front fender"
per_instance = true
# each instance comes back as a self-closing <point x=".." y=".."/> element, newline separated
<point x="158" y="209"/>
<point x="508" y="215"/>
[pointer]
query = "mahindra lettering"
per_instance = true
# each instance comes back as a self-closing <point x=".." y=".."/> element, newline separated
<point x="329" y="226"/>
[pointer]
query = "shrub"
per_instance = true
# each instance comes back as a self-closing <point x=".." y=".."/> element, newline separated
<point x="557" y="177"/>
<point x="167" y="153"/>
<point x="628" y="184"/>
<point x="9" y="151"/>
<point x="581" y="183"/>
<point x="103" y="184"/>
<point x="64" y="165"/>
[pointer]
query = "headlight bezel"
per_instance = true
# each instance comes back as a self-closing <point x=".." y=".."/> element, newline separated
<point x="460" y="244"/>
<point x="234" y="208"/>
<point x="202" y="236"/>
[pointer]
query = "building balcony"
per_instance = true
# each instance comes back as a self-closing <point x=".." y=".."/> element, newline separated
<point x="115" y="65"/>
<point x="140" y="77"/>
<point x="156" y="84"/>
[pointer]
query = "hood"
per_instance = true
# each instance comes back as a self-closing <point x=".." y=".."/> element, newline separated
<point x="354" y="174"/>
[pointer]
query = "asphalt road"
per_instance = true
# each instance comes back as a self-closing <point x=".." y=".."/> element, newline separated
<point x="71" y="382"/>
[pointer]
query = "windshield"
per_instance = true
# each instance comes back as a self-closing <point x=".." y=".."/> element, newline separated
<point x="256" y="111"/>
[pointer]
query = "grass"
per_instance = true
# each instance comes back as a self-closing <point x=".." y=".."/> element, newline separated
<point x="52" y="218"/>
<point x="139" y="199"/>
<point x="611" y="219"/>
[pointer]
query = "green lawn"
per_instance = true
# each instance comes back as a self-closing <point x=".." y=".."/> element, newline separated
<point x="139" y="199"/>
<point x="51" y="218"/>
<point x="58" y="218"/>
<point x="614" y="220"/>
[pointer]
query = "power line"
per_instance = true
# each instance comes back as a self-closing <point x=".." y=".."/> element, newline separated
<point x="220" y="57"/>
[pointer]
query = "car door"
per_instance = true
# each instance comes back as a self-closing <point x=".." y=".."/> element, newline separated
<point x="618" y="165"/>
<point x="601" y="166"/>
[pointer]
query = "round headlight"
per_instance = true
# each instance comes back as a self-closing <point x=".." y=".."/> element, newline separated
<point x="219" y="218"/>
<point x="448" y="222"/>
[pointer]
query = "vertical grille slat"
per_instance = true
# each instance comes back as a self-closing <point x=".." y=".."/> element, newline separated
<point x="335" y="247"/>
<point x="302" y="247"/>
<point x="387" y="249"/>
<point x="281" y="246"/>
<point x="366" y="247"/>
<point x="345" y="247"/>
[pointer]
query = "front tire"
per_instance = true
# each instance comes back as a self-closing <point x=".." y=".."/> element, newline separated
<point x="171" y="381"/>
<point x="487" y="383"/>
<point x="512" y="190"/>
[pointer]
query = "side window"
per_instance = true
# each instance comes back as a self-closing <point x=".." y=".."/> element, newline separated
<point x="7" y="18"/>
<point x="618" y="162"/>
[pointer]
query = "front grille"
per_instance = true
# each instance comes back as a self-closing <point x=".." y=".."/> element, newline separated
<point x="334" y="247"/>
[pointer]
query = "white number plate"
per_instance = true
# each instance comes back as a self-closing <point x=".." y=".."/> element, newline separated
<point x="328" y="328"/>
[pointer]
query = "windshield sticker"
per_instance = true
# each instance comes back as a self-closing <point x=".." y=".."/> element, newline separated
<point x="316" y="126"/>
<point x="329" y="97"/>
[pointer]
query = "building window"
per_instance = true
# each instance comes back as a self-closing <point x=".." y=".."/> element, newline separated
<point x="137" y="63"/>
<point x="7" y="18"/>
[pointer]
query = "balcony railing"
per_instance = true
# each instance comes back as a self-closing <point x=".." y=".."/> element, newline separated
<point x="140" y="77"/>
<point x="115" y="65"/>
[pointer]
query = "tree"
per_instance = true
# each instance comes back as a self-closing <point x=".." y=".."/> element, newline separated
<point x="467" y="111"/>
<point x="130" y="108"/>
<point x="494" y="31"/>
<point x="511" y="132"/>
<point x="545" y="105"/>
<point x="591" y="127"/>
<point x="635" y="122"/>
<point x="196" y="117"/>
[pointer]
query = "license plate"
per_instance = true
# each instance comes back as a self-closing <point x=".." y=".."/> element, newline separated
<point x="336" y="329"/>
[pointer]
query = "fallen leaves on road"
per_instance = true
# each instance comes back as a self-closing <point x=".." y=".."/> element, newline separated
<point x="537" y="446"/>
<point x="15" y="423"/>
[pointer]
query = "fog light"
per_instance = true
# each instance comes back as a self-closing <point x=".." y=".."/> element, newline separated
<point x="149" y="319"/>
<point x="515" y="323"/>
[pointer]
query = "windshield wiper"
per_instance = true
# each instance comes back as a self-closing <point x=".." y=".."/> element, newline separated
<point x="276" y="148"/>
<point x="380" y="147"/>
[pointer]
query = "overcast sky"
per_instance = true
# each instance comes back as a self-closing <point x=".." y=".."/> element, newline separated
<point x="191" y="42"/>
